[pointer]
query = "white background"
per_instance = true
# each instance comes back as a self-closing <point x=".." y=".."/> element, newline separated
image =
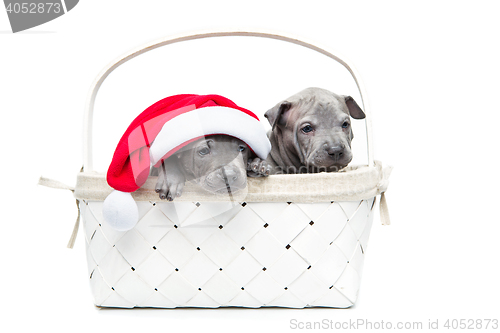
<point x="431" y="70"/>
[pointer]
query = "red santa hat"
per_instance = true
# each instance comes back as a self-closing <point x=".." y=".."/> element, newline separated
<point x="160" y="131"/>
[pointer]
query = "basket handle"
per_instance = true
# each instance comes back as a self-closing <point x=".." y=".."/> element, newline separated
<point x="89" y="106"/>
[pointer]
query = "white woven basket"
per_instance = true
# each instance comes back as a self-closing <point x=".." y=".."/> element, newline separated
<point x="284" y="245"/>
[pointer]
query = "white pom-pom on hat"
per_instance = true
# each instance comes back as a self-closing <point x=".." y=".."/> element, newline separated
<point x="120" y="211"/>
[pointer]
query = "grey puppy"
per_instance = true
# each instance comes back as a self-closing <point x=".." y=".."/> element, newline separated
<point x="311" y="132"/>
<point x="217" y="163"/>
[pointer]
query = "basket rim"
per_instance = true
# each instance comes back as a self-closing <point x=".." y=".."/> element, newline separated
<point x="351" y="184"/>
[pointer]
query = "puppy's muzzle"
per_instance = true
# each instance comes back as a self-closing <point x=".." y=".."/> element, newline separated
<point x="224" y="179"/>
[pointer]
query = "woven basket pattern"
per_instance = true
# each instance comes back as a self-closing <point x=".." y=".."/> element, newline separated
<point x="213" y="254"/>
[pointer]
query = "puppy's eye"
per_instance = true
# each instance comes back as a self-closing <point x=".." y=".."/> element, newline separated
<point x="242" y="148"/>
<point x="345" y="124"/>
<point x="204" y="151"/>
<point x="307" y="129"/>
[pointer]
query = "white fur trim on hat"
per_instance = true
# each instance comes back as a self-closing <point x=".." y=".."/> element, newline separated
<point x="208" y="121"/>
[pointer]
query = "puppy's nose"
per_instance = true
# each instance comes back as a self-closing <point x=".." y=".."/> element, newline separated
<point x="335" y="152"/>
<point x="230" y="174"/>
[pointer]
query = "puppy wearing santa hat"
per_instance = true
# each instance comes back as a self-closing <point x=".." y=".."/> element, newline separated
<point x="214" y="142"/>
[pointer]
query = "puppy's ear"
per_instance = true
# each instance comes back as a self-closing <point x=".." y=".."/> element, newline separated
<point x="354" y="109"/>
<point x="277" y="115"/>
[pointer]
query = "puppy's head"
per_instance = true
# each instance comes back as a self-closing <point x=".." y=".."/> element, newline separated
<point x="315" y="125"/>
<point x="216" y="162"/>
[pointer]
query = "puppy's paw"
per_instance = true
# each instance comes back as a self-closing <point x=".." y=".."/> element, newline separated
<point x="170" y="182"/>
<point x="258" y="168"/>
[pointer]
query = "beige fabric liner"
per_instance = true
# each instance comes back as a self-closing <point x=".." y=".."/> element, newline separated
<point x="351" y="184"/>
